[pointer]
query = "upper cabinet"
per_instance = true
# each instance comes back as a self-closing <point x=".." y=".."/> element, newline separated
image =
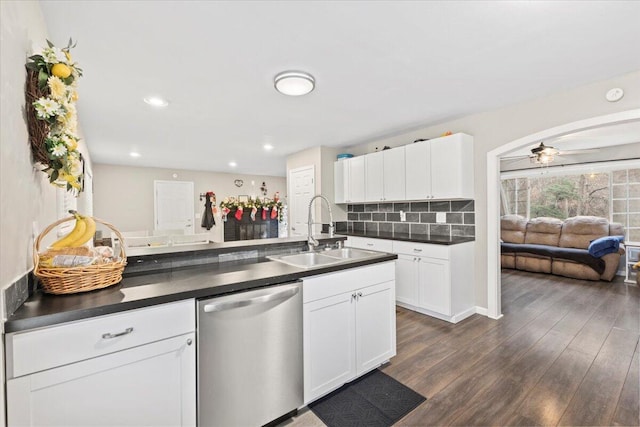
<point x="384" y="181"/>
<point x="349" y="182"/>
<point x="440" y="168"/>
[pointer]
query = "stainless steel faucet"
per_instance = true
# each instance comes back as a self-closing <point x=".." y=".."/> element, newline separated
<point x="312" y="241"/>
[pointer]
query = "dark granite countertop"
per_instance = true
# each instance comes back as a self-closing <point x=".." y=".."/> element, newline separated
<point x="147" y="289"/>
<point x="406" y="237"/>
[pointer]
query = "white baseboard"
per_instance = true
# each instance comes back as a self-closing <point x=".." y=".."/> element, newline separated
<point x="483" y="311"/>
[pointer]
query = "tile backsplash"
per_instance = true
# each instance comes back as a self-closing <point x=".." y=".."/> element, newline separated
<point x="420" y="218"/>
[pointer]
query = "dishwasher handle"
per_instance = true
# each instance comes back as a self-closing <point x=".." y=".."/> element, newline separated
<point x="222" y="306"/>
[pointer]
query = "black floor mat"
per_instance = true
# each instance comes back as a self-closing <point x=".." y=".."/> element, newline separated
<point x="373" y="400"/>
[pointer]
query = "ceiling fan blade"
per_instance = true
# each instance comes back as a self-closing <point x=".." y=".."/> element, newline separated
<point x="578" y="151"/>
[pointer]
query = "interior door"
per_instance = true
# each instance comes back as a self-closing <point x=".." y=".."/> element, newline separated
<point x="302" y="189"/>
<point x="174" y="206"/>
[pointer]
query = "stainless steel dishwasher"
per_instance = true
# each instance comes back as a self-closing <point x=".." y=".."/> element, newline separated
<point x="250" y="356"/>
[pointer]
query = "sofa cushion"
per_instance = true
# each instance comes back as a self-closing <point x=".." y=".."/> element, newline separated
<point x="605" y="245"/>
<point x="512" y="228"/>
<point x="543" y="231"/>
<point x="579" y="231"/>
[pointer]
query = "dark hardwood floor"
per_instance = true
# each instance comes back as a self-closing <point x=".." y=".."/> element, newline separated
<point x="565" y="353"/>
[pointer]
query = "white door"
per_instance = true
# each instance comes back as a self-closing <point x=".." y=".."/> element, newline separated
<point x="302" y="189"/>
<point x="393" y="173"/>
<point x="435" y="285"/>
<point x="375" y="326"/>
<point x="329" y="344"/>
<point x="356" y="180"/>
<point x="418" y="170"/>
<point x="374" y="175"/>
<point x="150" y="385"/>
<point x="406" y="280"/>
<point x="174" y="206"/>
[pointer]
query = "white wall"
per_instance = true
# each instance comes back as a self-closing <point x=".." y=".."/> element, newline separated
<point x="123" y="195"/>
<point x="495" y="128"/>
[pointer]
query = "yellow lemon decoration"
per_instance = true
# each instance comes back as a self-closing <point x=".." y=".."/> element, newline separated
<point x="61" y="70"/>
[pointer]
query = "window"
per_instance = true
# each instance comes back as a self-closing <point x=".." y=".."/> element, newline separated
<point x="612" y="194"/>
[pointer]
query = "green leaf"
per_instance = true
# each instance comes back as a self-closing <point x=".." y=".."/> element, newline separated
<point x="50" y="44"/>
<point x="32" y="66"/>
<point x="36" y="58"/>
<point x="68" y="80"/>
<point x="54" y="176"/>
<point x="42" y="79"/>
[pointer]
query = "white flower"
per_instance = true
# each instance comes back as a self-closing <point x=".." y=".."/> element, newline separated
<point x="75" y="167"/>
<point x="53" y="55"/>
<point x="46" y="108"/>
<point x="59" y="150"/>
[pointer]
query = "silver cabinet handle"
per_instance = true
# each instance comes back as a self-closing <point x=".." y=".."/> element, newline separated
<point x="221" y="306"/>
<point x="189" y="341"/>
<point x="353" y="296"/>
<point x="359" y="294"/>
<point x="109" y="335"/>
<point x="369" y="244"/>
<point x="417" y="250"/>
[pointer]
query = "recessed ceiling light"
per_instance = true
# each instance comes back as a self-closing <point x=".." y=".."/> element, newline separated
<point x="294" y="83"/>
<point x="156" y="101"/>
<point x="233" y="164"/>
<point x="134" y="154"/>
<point x="268" y="147"/>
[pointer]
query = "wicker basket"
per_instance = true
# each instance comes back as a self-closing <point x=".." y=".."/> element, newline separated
<point x="71" y="280"/>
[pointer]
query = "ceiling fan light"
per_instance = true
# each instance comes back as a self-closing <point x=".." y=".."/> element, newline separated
<point x="294" y="83"/>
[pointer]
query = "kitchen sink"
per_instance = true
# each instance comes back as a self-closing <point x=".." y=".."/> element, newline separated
<point x="306" y="259"/>
<point x="349" y="253"/>
<point x="314" y="259"/>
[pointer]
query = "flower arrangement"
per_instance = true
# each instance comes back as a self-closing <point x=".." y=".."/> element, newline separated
<point x="51" y="115"/>
<point x="231" y="203"/>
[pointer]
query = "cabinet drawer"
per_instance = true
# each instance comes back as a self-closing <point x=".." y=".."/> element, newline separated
<point x="371" y="244"/>
<point x="34" y="351"/>
<point x="421" y="249"/>
<point x="330" y="284"/>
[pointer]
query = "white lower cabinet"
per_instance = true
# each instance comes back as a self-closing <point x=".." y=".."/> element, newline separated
<point x="436" y="279"/>
<point x="349" y="326"/>
<point x="149" y="383"/>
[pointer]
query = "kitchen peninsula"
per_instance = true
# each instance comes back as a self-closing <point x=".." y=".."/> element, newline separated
<point x="65" y="350"/>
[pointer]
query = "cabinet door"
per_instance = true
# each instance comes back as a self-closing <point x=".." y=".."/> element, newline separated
<point x="374" y="189"/>
<point x="329" y="344"/>
<point x="418" y="170"/>
<point x="375" y="326"/>
<point x="407" y="280"/>
<point x="434" y="285"/>
<point x="452" y="167"/>
<point x="154" y="384"/>
<point x="341" y="181"/>
<point x="356" y="191"/>
<point x="393" y="175"/>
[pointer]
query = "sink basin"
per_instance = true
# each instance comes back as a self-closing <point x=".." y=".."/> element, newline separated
<point x="349" y="253"/>
<point x="314" y="259"/>
<point x="306" y="260"/>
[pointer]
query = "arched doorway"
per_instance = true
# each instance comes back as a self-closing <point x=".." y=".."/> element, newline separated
<point x="494" y="309"/>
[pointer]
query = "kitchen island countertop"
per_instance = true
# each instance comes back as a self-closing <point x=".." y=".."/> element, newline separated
<point x="151" y="288"/>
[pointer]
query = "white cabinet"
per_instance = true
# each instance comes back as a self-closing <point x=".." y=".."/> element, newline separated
<point x="349" y="180"/>
<point x="138" y="374"/>
<point x="349" y="326"/>
<point x="379" y="245"/>
<point x="440" y="168"/>
<point x="418" y="170"/>
<point x="384" y="179"/>
<point x="436" y="279"/>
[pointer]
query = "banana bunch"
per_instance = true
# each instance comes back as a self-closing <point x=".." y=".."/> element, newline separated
<point x="83" y="231"/>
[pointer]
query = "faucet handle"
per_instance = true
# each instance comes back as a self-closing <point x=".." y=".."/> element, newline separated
<point x="331" y="229"/>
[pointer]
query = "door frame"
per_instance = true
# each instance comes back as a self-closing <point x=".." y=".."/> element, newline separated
<point x="494" y="308"/>
<point x="290" y="190"/>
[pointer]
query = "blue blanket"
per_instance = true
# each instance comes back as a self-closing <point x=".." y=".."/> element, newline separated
<point x="605" y="245"/>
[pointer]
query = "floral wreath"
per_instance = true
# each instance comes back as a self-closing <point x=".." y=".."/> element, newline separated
<point x="51" y="115"/>
<point x="231" y="203"/>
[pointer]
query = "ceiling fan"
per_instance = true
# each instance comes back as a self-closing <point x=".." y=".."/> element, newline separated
<point x="544" y="154"/>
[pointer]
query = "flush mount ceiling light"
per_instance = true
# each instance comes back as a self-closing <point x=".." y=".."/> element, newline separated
<point x="233" y="164"/>
<point x="294" y="83"/>
<point x="267" y="147"/>
<point x="156" y="101"/>
<point x="134" y="154"/>
<point x="543" y="154"/>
